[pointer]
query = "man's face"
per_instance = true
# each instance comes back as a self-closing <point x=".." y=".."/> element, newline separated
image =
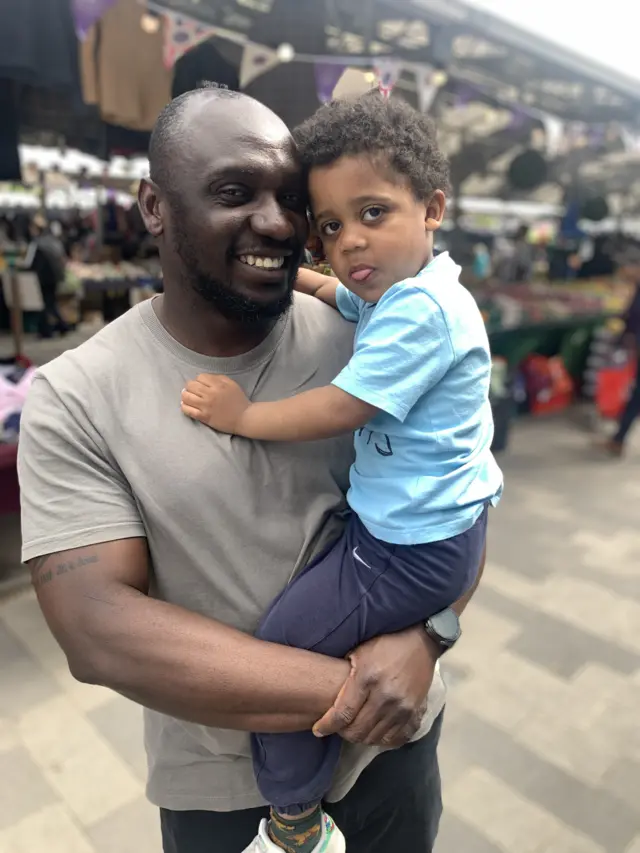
<point x="235" y="216"/>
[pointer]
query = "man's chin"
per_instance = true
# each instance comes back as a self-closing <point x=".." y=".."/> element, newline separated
<point x="244" y="306"/>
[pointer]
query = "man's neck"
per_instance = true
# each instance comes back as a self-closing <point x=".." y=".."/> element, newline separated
<point x="202" y="329"/>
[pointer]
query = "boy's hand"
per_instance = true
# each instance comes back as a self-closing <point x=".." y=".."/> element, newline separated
<point x="216" y="401"/>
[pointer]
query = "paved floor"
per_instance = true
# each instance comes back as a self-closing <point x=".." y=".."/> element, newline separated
<point x="541" y="748"/>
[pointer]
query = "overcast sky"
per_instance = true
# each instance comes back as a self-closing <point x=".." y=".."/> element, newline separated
<point x="607" y="31"/>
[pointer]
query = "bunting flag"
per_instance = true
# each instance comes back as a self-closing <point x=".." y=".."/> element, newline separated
<point x="630" y="139"/>
<point x="427" y="89"/>
<point x="328" y="76"/>
<point x="86" y="13"/>
<point x="555" y="134"/>
<point x="182" y="34"/>
<point x="256" y="60"/>
<point x="388" y="73"/>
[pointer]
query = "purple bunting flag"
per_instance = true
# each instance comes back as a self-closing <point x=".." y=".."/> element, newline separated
<point x="86" y="13"/>
<point x="328" y="75"/>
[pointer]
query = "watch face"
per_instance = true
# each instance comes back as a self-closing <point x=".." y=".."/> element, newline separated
<point x="446" y="625"/>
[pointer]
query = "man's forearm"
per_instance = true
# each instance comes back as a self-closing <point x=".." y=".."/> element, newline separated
<point x="193" y="668"/>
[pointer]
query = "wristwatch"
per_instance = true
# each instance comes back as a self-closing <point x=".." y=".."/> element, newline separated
<point x="444" y="629"/>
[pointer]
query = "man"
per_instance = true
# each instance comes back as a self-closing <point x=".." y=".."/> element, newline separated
<point x="156" y="545"/>
<point x="46" y="258"/>
<point x="628" y="270"/>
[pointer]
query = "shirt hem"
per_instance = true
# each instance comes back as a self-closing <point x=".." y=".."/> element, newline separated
<point x="424" y="536"/>
<point x="251" y="800"/>
<point x="81" y="539"/>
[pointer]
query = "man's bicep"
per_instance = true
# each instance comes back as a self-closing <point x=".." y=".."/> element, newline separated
<point x="71" y="585"/>
<point x="72" y="493"/>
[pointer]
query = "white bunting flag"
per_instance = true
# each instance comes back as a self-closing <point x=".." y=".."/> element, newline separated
<point x="555" y="134"/>
<point x="427" y="89"/>
<point x="256" y="60"/>
<point x="182" y="34"/>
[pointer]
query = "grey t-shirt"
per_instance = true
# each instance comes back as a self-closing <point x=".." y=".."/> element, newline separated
<point x="105" y="453"/>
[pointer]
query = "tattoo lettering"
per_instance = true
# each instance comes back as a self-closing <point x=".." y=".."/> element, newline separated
<point x="46" y="569"/>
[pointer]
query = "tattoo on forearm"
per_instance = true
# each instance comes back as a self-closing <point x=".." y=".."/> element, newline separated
<point x="46" y="569"/>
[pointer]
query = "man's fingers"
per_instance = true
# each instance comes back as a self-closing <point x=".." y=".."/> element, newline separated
<point x="398" y="736"/>
<point x="377" y="719"/>
<point x="346" y="708"/>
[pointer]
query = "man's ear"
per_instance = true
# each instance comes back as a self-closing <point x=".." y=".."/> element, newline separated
<point x="150" y="207"/>
<point x="436" y="206"/>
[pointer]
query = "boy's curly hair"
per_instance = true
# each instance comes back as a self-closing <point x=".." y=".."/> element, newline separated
<point x="386" y="128"/>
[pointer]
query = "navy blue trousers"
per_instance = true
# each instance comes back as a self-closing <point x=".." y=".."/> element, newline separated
<point x="358" y="589"/>
<point x="394" y="807"/>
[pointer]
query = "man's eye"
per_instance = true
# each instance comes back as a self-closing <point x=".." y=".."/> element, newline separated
<point x="372" y="214"/>
<point x="295" y="200"/>
<point x="330" y="229"/>
<point x="233" y="193"/>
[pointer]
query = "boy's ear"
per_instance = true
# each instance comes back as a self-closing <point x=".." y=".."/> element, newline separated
<point x="435" y="209"/>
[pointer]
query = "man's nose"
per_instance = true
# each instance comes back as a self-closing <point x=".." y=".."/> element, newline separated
<point x="271" y="220"/>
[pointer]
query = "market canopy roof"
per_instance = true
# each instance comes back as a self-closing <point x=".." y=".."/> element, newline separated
<point x="508" y="63"/>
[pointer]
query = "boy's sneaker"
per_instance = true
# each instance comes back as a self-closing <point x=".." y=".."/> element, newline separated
<point x="332" y="840"/>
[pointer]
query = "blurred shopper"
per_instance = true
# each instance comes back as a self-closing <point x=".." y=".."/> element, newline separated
<point x="46" y="258"/>
<point x="629" y="270"/>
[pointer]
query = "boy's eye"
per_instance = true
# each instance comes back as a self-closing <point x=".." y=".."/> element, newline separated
<point x="330" y="229"/>
<point x="372" y="214"/>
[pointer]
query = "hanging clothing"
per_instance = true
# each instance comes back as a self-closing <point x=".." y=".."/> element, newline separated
<point x="9" y="133"/>
<point x="38" y="43"/>
<point x="122" y="69"/>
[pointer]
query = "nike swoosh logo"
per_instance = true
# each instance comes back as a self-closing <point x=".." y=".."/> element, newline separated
<point x="357" y="557"/>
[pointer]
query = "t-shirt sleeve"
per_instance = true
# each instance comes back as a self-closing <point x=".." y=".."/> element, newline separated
<point x="348" y="304"/>
<point x="403" y="352"/>
<point x="72" y="494"/>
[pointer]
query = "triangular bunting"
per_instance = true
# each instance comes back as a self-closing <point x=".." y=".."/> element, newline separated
<point x="328" y="76"/>
<point x="427" y="89"/>
<point x="388" y="73"/>
<point x="182" y="34"/>
<point x="256" y="60"/>
<point x="630" y="139"/>
<point x="86" y="13"/>
<point x="555" y="134"/>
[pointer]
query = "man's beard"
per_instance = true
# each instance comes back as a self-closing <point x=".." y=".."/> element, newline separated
<point x="231" y="305"/>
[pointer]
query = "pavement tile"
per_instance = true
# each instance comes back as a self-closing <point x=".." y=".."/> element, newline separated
<point x="134" y="828"/>
<point x="24" y="789"/>
<point x="77" y="762"/>
<point x="51" y="830"/>
<point x="457" y="836"/>
<point x="119" y="721"/>
<point x="24" y="683"/>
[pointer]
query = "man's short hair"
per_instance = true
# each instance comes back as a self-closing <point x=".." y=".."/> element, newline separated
<point x="169" y="127"/>
<point x="386" y="128"/>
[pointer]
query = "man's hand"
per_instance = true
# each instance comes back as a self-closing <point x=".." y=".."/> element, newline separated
<point x="216" y="401"/>
<point x="384" y="699"/>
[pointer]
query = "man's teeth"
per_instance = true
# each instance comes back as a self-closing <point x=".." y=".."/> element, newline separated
<point x="262" y="263"/>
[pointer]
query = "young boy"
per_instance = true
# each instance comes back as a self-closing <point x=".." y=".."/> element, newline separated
<point x="416" y="394"/>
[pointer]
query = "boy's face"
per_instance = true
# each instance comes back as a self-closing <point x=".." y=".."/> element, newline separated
<point x="375" y="232"/>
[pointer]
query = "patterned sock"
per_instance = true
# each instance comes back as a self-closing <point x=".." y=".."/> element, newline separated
<point x="296" y="834"/>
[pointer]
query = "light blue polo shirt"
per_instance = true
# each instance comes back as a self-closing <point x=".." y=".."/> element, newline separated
<point x="424" y="469"/>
